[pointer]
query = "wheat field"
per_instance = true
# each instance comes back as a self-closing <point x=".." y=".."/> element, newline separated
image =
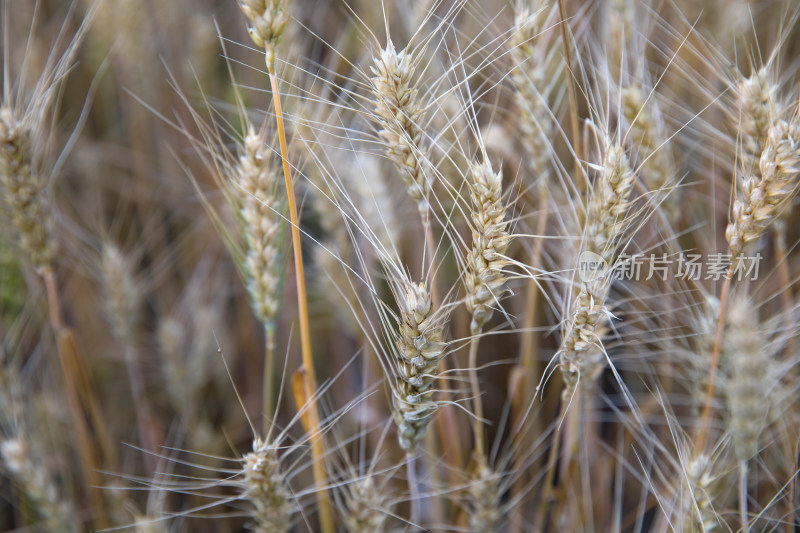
<point x="400" y="265"/>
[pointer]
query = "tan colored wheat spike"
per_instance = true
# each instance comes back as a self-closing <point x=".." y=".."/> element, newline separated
<point x="763" y="198"/>
<point x="658" y="166"/>
<point x="748" y="362"/>
<point x="37" y="485"/>
<point x="484" y="495"/>
<point x="268" y="19"/>
<point x="758" y="109"/>
<point x="366" y="507"/>
<point x="122" y="295"/>
<point x="25" y="192"/>
<point x="255" y="180"/>
<point x="532" y="54"/>
<point x="699" y="497"/>
<point x="398" y="113"/>
<point x="266" y="489"/>
<point x="419" y="346"/>
<point x="485" y="280"/>
<point x="605" y="224"/>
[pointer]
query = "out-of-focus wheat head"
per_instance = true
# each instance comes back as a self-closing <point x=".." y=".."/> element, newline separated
<point x="366" y="507"/>
<point x="26" y="192"/>
<point x="265" y="488"/>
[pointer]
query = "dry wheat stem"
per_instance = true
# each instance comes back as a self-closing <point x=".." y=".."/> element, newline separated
<point x="317" y="447"/>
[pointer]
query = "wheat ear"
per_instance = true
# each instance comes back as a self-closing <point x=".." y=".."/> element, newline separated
<point x="642" y="114"/>
<point x="34" y="479"/>
<point x="484" y="498"/>
<point x="758" y="109"/>
<point x="605" y="224"/>
<point x="25" y="191"/>
<point x="484" y="278"/>
<point x="398" y="113"/>
<point x="419" y="346"/>
<point x="266" y="489"/>
<point x="366" y="507"/>
<point x="764" y="197"/>
<point x="28" y="204"/>
<point x="255" y="179"/>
